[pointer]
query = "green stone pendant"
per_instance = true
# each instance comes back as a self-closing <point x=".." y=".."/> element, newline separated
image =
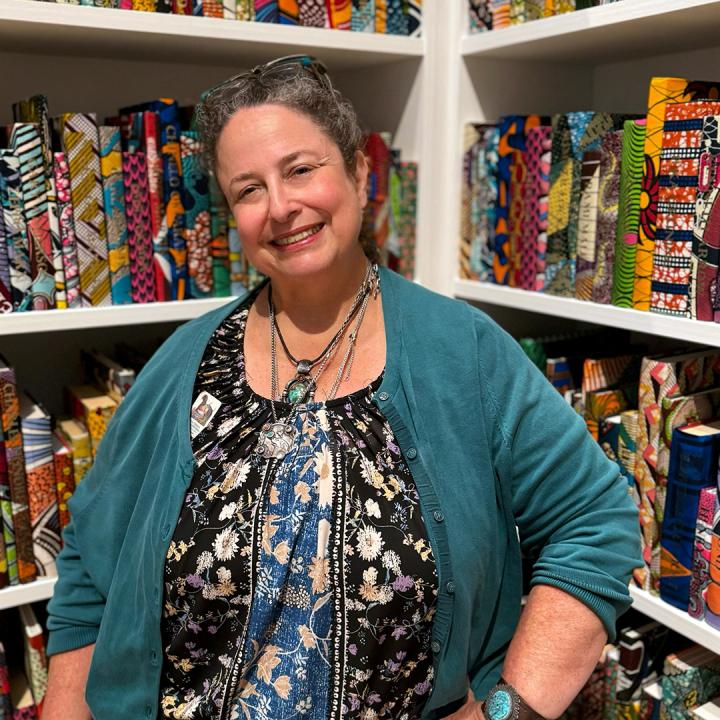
<point x="299" y="389"/>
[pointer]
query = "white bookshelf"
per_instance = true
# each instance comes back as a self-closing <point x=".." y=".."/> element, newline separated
<point x="41" y="589"/>
<point x="106" y="317"/>
<point x="695" y="630"/>
<point x="680" y="329"/>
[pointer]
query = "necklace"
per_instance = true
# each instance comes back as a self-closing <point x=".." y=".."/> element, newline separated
<point x="277" y="438"/>
<point x="302" y="386"/>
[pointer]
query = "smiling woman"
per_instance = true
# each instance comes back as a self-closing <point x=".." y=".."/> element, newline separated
<point x="308" y="505"/>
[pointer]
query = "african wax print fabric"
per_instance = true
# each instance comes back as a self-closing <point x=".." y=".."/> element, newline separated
<point x="302" y="587"/>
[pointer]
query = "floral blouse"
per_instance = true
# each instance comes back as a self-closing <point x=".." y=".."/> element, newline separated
<point x="295" y="588"/>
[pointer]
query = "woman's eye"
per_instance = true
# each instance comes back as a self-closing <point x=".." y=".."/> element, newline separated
<point x="245" y="192"/>
<point x="301" y="170"/>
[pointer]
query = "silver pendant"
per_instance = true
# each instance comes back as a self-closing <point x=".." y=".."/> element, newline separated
<point x="299" y="390"/>
<point x="276" y="440"/>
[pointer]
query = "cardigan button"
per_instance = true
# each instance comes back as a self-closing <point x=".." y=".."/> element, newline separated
<point x="450" y="587"/>
<point x="148" y="711"/>
<point x="411" y="453"/>
<point x="438" y="515"/>
<point x="435" y="646"/>
<point x="383" y="396"/>
<point x="153" y="657"/>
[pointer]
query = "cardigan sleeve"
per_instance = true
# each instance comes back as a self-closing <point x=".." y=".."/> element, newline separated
<point x="570" y="503"/>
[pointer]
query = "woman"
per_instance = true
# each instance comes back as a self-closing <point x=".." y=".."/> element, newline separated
<point x="307" y="505"/>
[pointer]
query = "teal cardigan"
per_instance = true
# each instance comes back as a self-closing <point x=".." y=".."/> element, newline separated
<point x="500" y="460"/>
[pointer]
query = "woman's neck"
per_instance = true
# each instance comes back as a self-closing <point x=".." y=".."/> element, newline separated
<point x="318" y="305"/>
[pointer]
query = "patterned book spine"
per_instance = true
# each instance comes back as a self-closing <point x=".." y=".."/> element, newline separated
<point x="608" y="200"/>
<point x="587" y="224"/>
<point x="413" y="12"/>
<point x="6" y="518"/>
<point x="57" y="248"/>
<point x="396" y="18"/>
<point x="64" y="476"/>
<point x="712" y="593"/>
<point x="71" y="270"/>
<point x="693" y="466"/>
<point x="535" y="192"/>
<point x="238" y="276"/>
<point x="15" y="232"/>
<point x="115" y="223"/>
<point x="511" y="143"/>
<point x="363" y="16"/>
<point x="266" y="11"/>
<point x="706" y="228"/>
<point x="313" y="13"/>
<point x="500" y="13"/>
<point x="6" y="305"/>
<point x="663" y="92"/>
<point x="245" y="10"/>
<point x="78" y="439"/>
<point x="213" y="8"/>
<point x="481" y="18"/>
<point x="626" y="236"/>
<point x="407" y="173"/>
<point x="381" y="16"/>
<point x="179" y="7"/>
<point x="219" y="246"/>
<point x="81" y="146"/>
<point x="600" y="404"/>
<point x="701" y="552"/>
<point x="339" y="13"/>
<point x="4" y="577"/>
<point x="145" y="5"/>
<point x="140" y="245"/>
<point x="42" y="494"/>
<point x="26" y="143"/>
<point x="16" y="473"/>
<point x="288" y="12"/>
<point x="483" y="176"/>
<point x="678" y="181"/>
<point x="92" y="408"/>
<point x="36" y="662"/>
<point x="627" y="449"/>
<point x="198" y="237"/>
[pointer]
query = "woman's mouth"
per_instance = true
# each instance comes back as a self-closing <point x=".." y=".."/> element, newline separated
<point x="297" y="237"/>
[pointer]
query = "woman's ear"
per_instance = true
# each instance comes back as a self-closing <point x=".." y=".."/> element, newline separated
<point x="360" y="175"/>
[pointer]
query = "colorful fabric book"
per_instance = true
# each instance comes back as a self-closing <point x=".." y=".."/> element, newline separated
<point x="626" y="235"/>
<point x="587" y="223"/>
<point x="288" y="12"/>
<point x="312" y="13"/>
<point x="42" y="494"/>
<point x="617" y="439"/>
<point x="5" y="704"/>
<point x="64" y="476"/>
<point x="198" y="237"/>
<point x="690" y="677"/>
<point x="413" y="13"/>
<point x="245" y="10"/>
<point x="16" y="237"/>
<point x="701" y="552"/>
<point x="219" y="248"/>
<point x="21" y="698"/>
<point x="663" y="92"/>
<point x="6" y="517"/>
<point x="535" y="201"/>
<point x="693" y="467"/>
<point x="662" y="378"/>
<point x="481" y="18"/>
<point x="115" y="221"/>
<point x="601" y="404"/>
<point x="362" y="18"/>
<point x="93" y="408"/>
<point x="607" y="213"/>
<point x="78" y="438"/>
<point x="705" y="258"/>
<point x="139" y="227"/>
<point x="678" y="181"/>
<point x="15" y="457"/>
<point x="4" y="576"/>
<point x="405" y="218"/>
<point x="68" y="241"/>
<point x="340" y="15"/>
<point x="26" y="143"/>
<point x="512" y="132"/>
<point x="381" y="16"/>
<point x="5" y="292"/>
<point x="105" y="373"/>
<point x="396" y="18"/>
<point x="642" y="650"/>
<point x="266" y="11"/>
<point x="36" y="663"/>
<point x="57" y="248"/>
<point x="81" y="144"/>
<point x="479" y="196"/>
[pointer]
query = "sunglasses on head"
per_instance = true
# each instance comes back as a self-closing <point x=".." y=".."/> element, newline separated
<point x="287" y="64"/>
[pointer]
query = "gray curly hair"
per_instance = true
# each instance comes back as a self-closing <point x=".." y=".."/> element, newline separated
<point x="292" y="86"/>
<point x="298" y="88"/>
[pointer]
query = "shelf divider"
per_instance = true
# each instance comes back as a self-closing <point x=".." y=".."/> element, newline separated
<point x="40" y="589"/>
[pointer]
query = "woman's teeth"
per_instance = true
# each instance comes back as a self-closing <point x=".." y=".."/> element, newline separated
<point x="297" y="237"/>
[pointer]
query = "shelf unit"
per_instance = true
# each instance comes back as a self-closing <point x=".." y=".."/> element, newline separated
<point x="695" y="630"/>
<point x="600" y="58"/>
<point x="41" y="589"/>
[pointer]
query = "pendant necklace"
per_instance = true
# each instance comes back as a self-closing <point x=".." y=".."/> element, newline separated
<point x="278" y="437"/>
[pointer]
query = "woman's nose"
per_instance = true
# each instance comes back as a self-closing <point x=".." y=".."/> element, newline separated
<point x="282" y="203"/>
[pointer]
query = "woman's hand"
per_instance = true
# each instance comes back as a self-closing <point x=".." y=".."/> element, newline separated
<point x="469" y="711"/>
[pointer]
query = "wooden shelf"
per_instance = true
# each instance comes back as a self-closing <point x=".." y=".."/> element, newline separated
<point x="675" y="328"/>
<point x="15" y="595"/>
<point x="677" y="620"/>
<point x="112" y="316"/>
<point x="51" y="28"/>
<point x="619" y="31"/>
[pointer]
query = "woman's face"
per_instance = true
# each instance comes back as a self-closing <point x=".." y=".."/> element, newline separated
<point x="298" y="211"/>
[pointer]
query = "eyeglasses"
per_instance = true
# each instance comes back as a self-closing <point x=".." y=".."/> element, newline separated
<point x="288" y="64"/>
